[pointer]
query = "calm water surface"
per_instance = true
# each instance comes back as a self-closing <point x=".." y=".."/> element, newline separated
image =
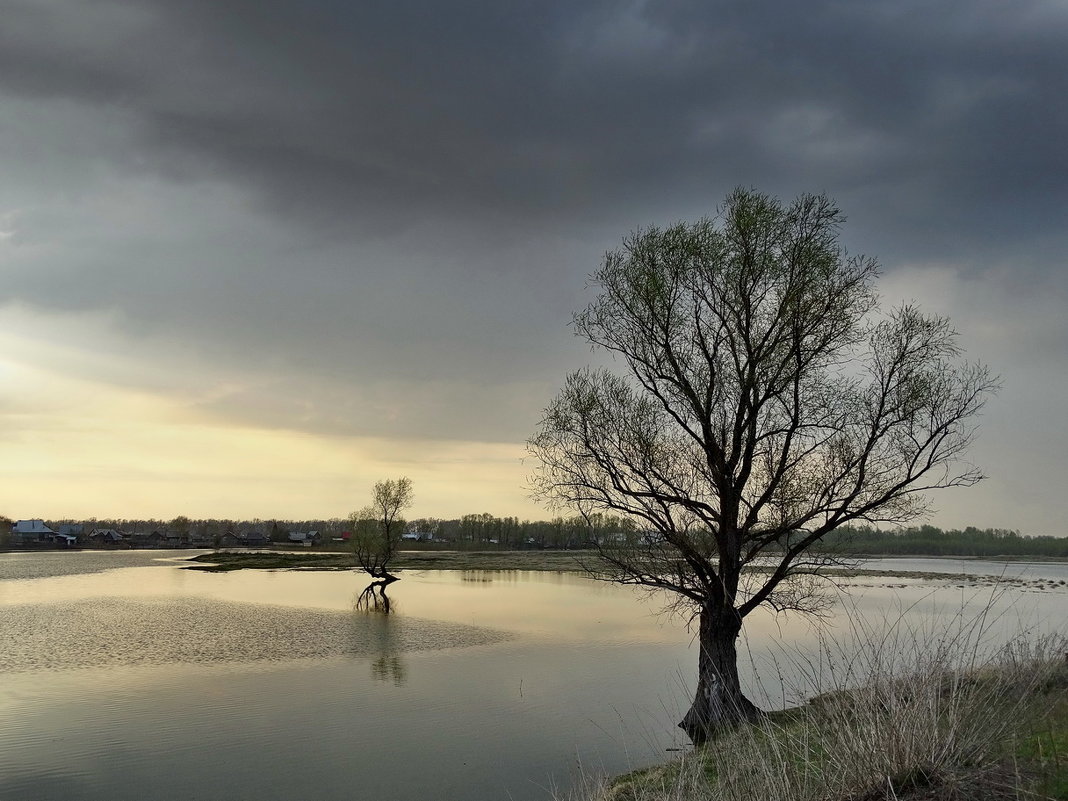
<point x="123" y="676"/>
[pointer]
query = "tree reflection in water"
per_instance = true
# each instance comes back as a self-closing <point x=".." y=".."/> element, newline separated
<point x="388" y="665"/>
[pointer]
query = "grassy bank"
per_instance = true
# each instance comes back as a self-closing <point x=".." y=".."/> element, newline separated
<point x="990" y="732"/>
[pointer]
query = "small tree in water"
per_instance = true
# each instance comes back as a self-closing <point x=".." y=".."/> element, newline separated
<point x="767" y="401"/>
<point x="376" y="533"/>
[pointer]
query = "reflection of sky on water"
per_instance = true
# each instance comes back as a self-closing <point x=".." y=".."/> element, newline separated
<point x="560" y="606"/>
<point x="121" y="631"/>
<point x="567" y="605"/>
<point x="975" y="567"/>
<point x="43" y="564"/>
<point x="794" y="658"/>
<point x="186" y="684"/>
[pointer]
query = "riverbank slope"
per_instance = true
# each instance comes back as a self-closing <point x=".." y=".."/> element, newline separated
<point x="990" y="733"/>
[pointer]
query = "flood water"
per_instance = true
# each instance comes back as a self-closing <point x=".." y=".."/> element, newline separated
<point x="123" y="676"/>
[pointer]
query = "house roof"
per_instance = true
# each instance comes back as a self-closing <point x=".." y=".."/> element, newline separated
<point x="31" y="527"/>
<point x="107" y="533"/>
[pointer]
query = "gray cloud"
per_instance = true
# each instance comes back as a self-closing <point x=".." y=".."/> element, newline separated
<point x="350" y="203"/>
<point x="358" y="116"/>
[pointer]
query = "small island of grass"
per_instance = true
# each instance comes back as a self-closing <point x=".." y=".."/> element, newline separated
<point x="566" y="561"/>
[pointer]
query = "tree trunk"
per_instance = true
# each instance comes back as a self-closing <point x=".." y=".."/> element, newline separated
<point x="719" y="702"/>
<point x="374" y="598"/>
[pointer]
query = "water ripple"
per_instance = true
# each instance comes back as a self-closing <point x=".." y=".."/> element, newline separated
<point x="21" y="565"/>
<point x="120" y="631"/>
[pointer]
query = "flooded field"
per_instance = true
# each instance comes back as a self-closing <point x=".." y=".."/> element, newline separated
<point x="123" y="676"/>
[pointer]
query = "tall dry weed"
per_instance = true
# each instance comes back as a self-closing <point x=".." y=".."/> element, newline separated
<point x="901" y="712"/>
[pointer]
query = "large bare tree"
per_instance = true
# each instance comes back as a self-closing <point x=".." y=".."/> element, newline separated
<point x="767" y="400"/>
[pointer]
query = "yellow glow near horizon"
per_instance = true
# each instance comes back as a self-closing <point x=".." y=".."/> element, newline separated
<point x="74" y="448"/>
<point x="96" y="423"/>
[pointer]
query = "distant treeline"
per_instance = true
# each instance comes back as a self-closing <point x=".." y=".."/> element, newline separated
<point x="489" y="531"/>
<point x="932" y="541"/>
<point x="470" y="531"/>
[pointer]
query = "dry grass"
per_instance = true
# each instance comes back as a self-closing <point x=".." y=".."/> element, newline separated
<point x="923" y="718"/>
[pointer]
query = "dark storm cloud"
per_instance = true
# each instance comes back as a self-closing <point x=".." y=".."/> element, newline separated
<point x="335" y="194"/>
<point x="356" y="115"/>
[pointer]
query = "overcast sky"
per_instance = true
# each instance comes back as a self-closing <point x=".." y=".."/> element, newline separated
<point x="257" y="254"/>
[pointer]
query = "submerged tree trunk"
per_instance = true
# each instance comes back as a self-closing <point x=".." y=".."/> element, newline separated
<point x="719" y="702"/>
<point x="374" y="598"/>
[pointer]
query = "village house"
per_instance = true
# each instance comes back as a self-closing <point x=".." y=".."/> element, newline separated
<point x="201" y="539"/>
<point x="142" y="539"/>
<point x="28" y="532"/>
<point x="34" y="533"/>
<point x="255" y="539"/>
<point x="106" y="536"/>
<point x="252" y="539"/>
<point x="174" y="539"/>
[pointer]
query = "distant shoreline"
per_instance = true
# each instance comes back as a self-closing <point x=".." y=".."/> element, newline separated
<point x="552" y="561"/>
<point x="549" y="560"/>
